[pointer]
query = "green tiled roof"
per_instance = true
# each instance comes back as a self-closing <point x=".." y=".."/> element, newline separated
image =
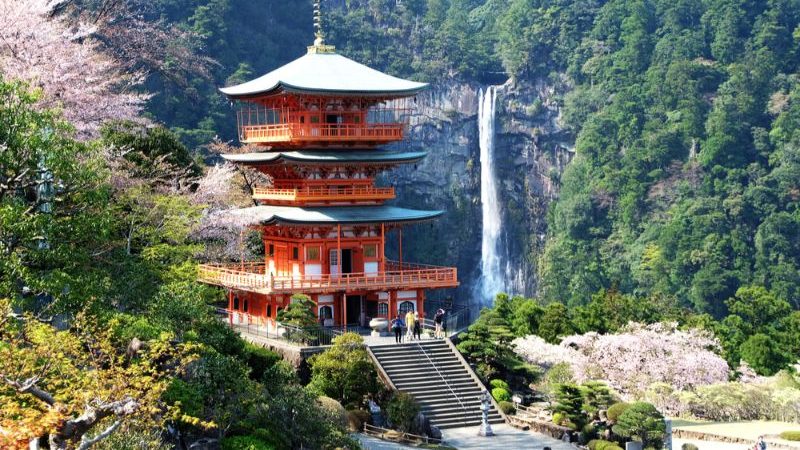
<point x="328" y="215"/>
<point x="326" y="156"/>
<point x="325" y="73"/>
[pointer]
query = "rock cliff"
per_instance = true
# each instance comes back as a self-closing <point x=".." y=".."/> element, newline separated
<point x="531" y="150"/>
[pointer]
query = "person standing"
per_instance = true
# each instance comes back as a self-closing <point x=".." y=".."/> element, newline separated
<point x="761" y="444"/>
<point x="397" y="327"/>
<point x="417" y="327"/>
<point x="410" y="325"/>
<point x="438" y="319"/>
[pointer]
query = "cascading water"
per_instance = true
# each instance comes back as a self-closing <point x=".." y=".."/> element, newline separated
<point x="492" y="278"/>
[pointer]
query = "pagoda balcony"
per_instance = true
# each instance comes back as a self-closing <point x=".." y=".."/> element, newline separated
<point x="253" y="278"/>
<point x="324" y="194"/>
<point x="309" y="133"/>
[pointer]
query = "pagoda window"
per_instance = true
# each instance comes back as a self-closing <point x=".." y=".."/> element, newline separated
<point x="236" y="303"/>
<point x="312" y="253"/>
<point x="383" y="309"/>
<point x="370" y="250"/>
<point x="406" y="307"/>
<point x="269" y="310"/>
<point x="334" y="257"/>
<point x="244" y="305"/>
<point x="295" y="253"/>
<point x="326" y="312"/>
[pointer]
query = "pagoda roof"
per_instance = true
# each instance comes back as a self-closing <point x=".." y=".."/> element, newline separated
<point x="327" y="215"/>
<point x="325" y="73"/>
<point x="325" y="157"/>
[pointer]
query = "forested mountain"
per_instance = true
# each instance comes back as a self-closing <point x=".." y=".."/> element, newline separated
<point x="648" y="159"/>
<point x="684" y="117"/>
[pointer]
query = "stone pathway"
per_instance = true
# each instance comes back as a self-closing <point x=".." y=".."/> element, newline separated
<point x="507" y="438"/>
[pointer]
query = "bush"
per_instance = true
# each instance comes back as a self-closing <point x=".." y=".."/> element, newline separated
<point x="334" y="410"/>
<point x="245" y="443"/>
<point x="356" y="418"/>
<point x="791" y="435"/>
<point x="600" y="444"/>
<point x="344" y="371"/>
<point x="688" y="446"/>
<point x="402" y="410"/>
<point x="616" y="410"/>
<point x="642" y="421"/>
<point x="501" y="394"/>
<point x="497" y="383"/>
<point x="559" y="418"/>
<point x="507" y="407"/>
<point x="259" y="359"/>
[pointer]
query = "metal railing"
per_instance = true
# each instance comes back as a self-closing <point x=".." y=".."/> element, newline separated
<point x="267" y="328"/>
<point x="450" y="388"/>
<point x="252" y="276"/>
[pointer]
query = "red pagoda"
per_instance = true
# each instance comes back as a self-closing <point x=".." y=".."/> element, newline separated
<point x="321" y="120"/>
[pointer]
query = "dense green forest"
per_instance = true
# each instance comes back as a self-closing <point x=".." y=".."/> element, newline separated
<point x="681" y="202"/>
<point x="685" y="180"/>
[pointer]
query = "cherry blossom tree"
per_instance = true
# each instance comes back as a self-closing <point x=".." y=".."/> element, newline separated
<point x="89" y="85"/>
<point x="635" y="358"/>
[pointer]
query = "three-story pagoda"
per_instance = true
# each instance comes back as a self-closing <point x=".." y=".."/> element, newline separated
<point x="322" y="119"/>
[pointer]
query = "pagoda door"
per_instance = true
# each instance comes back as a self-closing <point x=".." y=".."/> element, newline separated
<point x="282" y="261"/>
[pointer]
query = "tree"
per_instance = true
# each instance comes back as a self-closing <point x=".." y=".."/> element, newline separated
<point x="75" y="389"/>
<point x="555" y="323"/>
<point x="643" y="422"/>
<point x="761" y="353"/>
<point x="345" y="371"/>
<point x="487" y="345"/>
<point x="299" y="312"/>
<point x="569" y="402"/>
<point x="67" y="64"/>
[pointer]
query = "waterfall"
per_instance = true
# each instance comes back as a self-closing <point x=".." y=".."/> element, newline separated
<point x="492" y="280"/>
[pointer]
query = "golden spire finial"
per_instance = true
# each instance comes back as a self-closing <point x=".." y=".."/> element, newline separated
<point x="319" y="41"/>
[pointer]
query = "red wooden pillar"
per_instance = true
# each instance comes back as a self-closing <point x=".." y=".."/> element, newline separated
<point x="421" y="303"/>
<point x="230" y="307"/>
<point x="392" y="304"/>
<point x="400" y="246"/>
<point x="382" y="255"/>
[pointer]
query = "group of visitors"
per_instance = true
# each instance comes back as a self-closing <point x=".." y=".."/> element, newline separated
<point x="413" y="327"/>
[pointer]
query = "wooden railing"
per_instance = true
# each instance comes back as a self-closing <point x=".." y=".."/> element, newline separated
<point x="325" y="193"/>
<point x="252" y="277"/>
<point x="398" y="436"/>
<point x="308" y="132"/>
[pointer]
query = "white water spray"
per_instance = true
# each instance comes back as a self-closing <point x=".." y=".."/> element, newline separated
<point x="492" y="279"/>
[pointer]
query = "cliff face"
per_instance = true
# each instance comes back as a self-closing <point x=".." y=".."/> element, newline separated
<point x="531" y="150"/>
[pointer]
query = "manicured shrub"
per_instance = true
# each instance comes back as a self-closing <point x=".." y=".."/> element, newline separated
<point x="791" y="435"/>
<point x="601" y="444"/>
<point x="259" y="359"/>
<point x="507" y="407"/>
<point x="497" y="383"/>
<point x="559" y="418"/>
<point x="501" y="394"/>
<point x="688" y="446"/>
<point x="334" y="410"/>
<point x="616" y="410"/>
<point x="643" y="422"/>
<point x="569" y="401"/>
<point x="402" y="410"/>
<point x="245" y="443"/>
<point x="356" y="418"/>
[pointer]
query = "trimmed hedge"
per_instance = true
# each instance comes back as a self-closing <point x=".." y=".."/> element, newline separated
<point x="501" y="394"/>
<point x="498" y="383"/>
<point x="507" y="407"/>
<point x="688" y="446"/>
<point x="559" y="418"/>
<point x="616" y="410"/>
<point x="791" y="435"/>
<point x="601" y="444"/>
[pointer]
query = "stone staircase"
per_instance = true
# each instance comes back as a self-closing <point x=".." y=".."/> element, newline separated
<point x="435" y="375"/>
